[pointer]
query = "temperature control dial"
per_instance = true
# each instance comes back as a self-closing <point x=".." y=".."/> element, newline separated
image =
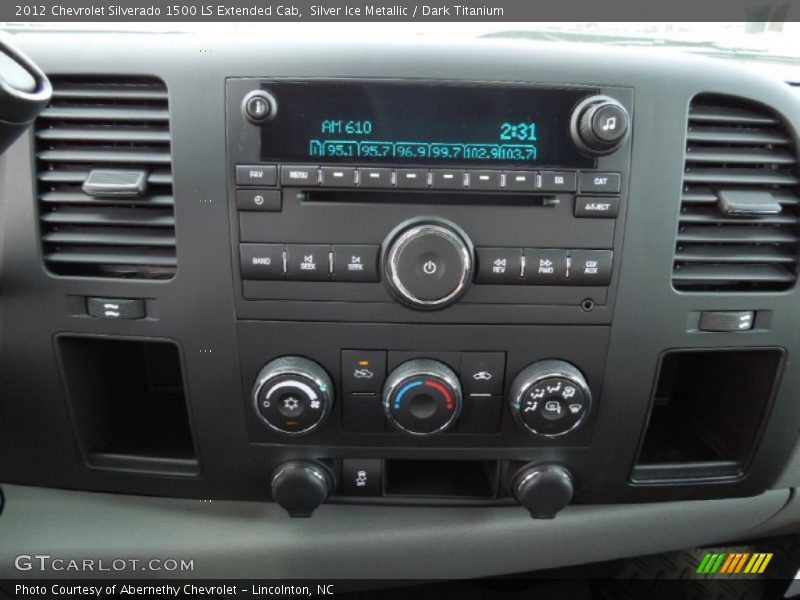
<point x="599" y="125"/>
<point x="550" y="398"/>
<point x="293" y="395"/>
<point x="422" y="396"/>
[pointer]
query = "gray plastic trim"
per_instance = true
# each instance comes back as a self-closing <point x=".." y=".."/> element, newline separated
<point x="247" y="539"/>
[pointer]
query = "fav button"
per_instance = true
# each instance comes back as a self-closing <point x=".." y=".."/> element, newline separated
<point x="308" y="262"/>
<point x="256" y="175"/>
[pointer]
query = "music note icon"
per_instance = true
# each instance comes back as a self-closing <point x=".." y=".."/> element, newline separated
<point x="610" y="124"/>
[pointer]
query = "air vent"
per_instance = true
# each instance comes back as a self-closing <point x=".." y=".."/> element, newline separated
<point x="121" y="222"/>
<point x="738" y="227"/>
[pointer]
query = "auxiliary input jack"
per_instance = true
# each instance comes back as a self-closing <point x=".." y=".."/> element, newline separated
<point x="587" y="305"/>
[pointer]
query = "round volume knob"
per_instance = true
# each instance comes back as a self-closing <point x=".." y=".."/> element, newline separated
<point x="422" y="396"/>
<point x="599" y="125"/>
<point x="293" y="395"/>
<point x="550" y="398"/>
<point x="428" y="263"/>
<point x="300" y="486"/>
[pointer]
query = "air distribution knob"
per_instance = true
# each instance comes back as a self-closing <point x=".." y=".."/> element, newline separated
<point x="422" y="397"/>
<point x="599" y="125"/>
<point x="293" y="395"/>
<point x="542" y="489"/>
<point x="550" y="398"/>
<point x="300" y="486"/>
<point x="428" y="263"/>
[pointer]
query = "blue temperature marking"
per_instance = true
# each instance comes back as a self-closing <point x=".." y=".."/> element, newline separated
<point x="400" y="394"/>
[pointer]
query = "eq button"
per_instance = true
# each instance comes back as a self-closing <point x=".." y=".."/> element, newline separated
<point x="557" y="181"/>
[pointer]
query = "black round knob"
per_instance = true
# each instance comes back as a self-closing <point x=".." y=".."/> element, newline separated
<point x="422" y="396"/>
<point x="301" y="486"/>
<point x="259" y="107"/>
<point x="550" y="398"/>
<point x="428" y="263"/>
<point x="599" y="125"/>
<point x="542" y="489"/>
<point x="293" y="394"/>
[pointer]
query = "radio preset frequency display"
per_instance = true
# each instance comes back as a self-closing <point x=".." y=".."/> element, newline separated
<point x="413" y="123"/>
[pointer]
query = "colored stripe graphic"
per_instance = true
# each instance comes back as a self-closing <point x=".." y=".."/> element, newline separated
<point x="734" y="563"/>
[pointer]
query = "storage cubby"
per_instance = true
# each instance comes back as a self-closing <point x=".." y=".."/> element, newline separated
<point x="707" y="413"/>
<point x="129" y="404"/>
<point x="441" y="478"/>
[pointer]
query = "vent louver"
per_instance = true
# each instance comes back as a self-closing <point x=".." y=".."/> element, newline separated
<point x="737" y="149"/>
<point x="107" y="127"/>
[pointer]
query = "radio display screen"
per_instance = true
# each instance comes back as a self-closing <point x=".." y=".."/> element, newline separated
<point x="434" y="123"/>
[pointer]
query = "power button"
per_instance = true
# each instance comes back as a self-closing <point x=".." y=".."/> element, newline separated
<point x="428" y="265"/>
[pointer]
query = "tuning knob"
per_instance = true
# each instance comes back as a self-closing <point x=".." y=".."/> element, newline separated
<point x="301" y="486"/>
<point x="599" y="125"/>
<point x="543" y="489"/>
<point x="422" y="396"/>
<point x="293" y="395"/>
<point x="550" y="398"/>
<point x="428" y="263"/>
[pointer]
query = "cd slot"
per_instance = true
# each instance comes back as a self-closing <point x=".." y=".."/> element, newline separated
<point x="545" y="200"/>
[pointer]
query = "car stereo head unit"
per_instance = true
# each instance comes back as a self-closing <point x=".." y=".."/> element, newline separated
<point x="427" y="194"/>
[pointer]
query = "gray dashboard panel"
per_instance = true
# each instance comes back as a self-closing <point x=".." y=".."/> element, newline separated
<point x="239" y="538"/>
<point x="249" y="540"/>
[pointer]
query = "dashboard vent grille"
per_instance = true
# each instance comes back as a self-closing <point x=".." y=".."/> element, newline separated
<point x="115" y="130"/>
<point x="737" y="150"/>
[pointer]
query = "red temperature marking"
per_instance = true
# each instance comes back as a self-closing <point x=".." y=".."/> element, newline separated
<point x="445" y="392"/>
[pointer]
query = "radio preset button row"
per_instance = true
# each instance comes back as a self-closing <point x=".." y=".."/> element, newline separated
<point x="448" y="179"/>
<point x="543" y="266"/>
<point x="309" y="262"/>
